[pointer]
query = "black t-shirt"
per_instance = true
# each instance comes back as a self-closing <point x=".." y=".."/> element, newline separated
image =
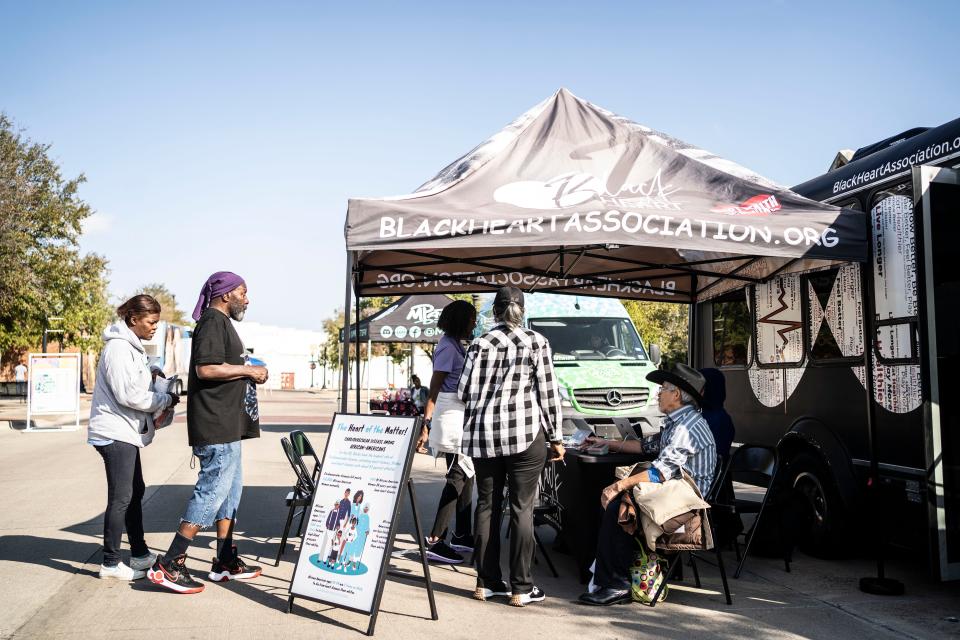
<point x="219" y="412"/>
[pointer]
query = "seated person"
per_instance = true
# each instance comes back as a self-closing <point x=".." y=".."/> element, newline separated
<point x="685" y="443"/>
<point x="721" y="425"/>
<point x="599" y="344"/>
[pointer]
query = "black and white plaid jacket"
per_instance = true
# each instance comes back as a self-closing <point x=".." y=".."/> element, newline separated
<point x="510" y="391"/>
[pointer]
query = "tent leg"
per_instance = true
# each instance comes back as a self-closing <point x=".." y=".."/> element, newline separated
<point x="345" y="363"/>
<point x="357" y="344"/>
<point x="369" y="366"/>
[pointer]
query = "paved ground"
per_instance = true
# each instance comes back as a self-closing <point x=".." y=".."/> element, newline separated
<point x="52" y="493"/>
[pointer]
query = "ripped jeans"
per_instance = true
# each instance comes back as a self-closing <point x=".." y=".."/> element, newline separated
<point x="219" y="485"/>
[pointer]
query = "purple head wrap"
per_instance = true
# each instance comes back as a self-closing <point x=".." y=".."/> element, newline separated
<point x="219" y="284"/>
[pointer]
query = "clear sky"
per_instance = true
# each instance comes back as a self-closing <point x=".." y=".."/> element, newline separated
<point x="229" y="136"/>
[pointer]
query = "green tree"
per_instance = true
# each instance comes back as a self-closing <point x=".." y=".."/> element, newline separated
<point x="43" y="274"/>
<point x="663" y="323"/>
<point x="169" y="311"/>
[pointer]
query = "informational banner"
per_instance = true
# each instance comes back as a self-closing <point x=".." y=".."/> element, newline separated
<point x="352" y="522"/>
<point x="54" y="387"/>
<point x="54" y="383"/>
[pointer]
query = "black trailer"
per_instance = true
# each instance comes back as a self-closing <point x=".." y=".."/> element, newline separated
<point x="792" y="352"/>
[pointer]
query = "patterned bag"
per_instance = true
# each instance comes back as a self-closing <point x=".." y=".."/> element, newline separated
<point x="646" y="576"/>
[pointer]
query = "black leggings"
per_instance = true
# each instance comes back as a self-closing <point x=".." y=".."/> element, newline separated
<point x="124" y="495"/>
<point x="457" y="493"/>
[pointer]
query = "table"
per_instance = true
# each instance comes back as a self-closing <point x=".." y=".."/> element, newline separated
<point x="581" y="481"/>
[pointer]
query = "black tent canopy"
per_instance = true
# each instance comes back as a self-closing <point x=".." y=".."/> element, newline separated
<point x="411" y="319"/>
<point x="571" y="198"/>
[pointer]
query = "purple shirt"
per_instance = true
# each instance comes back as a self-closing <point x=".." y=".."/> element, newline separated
<point x="448" y="358"/>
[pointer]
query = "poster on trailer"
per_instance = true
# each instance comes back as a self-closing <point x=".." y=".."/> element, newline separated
<point x="351" y="522"/>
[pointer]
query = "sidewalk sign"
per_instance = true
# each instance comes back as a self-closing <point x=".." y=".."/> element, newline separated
<point x="53" y="389"/>
<point x="346" y="548"/>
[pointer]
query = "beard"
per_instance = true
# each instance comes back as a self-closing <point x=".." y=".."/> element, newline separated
<point x="237" y="310"/>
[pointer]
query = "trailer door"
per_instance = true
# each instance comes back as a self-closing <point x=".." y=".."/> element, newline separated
<point x="937" y="191"/>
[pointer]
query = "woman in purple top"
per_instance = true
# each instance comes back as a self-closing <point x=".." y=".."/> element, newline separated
<point x="443" y="427"/>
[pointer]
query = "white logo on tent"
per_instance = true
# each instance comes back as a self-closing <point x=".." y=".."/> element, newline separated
<point x="423" y="314"/>
<point x="400" y="332"/>
<point x="574" y="189"/>
<point x="386" y="332"/>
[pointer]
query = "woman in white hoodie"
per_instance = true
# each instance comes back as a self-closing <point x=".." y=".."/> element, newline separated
<point x="121" y="423"/>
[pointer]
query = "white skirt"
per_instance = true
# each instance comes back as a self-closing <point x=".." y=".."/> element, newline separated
<point x="446" y="429"/>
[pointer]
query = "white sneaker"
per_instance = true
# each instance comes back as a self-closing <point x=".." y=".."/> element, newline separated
<point x="121" y="572"/>
<point x="143" y="562"/>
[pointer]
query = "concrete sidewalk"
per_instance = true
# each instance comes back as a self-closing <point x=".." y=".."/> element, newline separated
<point x="52" y="493"/>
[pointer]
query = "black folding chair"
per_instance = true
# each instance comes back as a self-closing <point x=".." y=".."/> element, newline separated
<point x="301" y="443"/>
<point x="754" y="465"/>
<point x="547" y="511"/>
<point x="674" y="564"/>
<point x="299" y="497"/>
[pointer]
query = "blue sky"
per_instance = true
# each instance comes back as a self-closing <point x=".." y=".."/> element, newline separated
<point x="230" y="135"/>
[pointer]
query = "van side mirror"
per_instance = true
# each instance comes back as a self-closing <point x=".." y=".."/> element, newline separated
<point x="655" y="354"/>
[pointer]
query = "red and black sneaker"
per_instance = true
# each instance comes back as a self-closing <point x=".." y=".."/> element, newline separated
<point x="173" y="575"/>
<point x="233" y="569"/>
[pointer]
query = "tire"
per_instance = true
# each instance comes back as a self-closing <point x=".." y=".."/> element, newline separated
<point x="826" y="523"/>
<point x="179" y="387"/>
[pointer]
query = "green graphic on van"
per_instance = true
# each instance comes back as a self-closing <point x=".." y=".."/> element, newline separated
<point x="600" y="361"/>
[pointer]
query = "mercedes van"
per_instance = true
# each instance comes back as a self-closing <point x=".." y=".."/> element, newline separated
<point x="600" y="361"/>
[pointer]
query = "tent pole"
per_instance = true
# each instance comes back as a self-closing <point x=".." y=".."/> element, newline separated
<point x="357" y="344"/>
<point x="345" y="364"/>
<point x="369" y="363"/>
<point x="879" y="585"/>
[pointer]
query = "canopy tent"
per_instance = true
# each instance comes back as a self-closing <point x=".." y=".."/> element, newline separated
<point x="411" y="319"/>
<point x="571" y="198"/>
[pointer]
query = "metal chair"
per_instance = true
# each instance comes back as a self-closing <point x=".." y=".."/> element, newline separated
<point x="302" y="444"/>
<point x="754" y="465"/>
<point x="674" y="565"/>
<point x="547" y="511"/>
<point x="300" y="497"/>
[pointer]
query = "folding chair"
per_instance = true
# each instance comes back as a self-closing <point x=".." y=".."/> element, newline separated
<point x="754" y="465"/>
<point x="299" y="497"/>
<point x="674" y="565"/>
<point x="301" y="443"/>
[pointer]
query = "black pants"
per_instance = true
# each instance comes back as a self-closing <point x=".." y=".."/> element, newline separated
<point x="615" y="551"/>
<point x="521" y="473"/>
<point x="124" y="495"/>
<point x="457" y="493"/>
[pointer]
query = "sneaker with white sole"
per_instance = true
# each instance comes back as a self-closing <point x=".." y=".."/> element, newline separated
<point x="233" y="569"/>
<point x="494" y="590"/>
<point x="440" y="551"/>
<point x="121" y="572"/>
<point x="173" y="575"/>
<point x="142" y="563"/>
<point x="463" y="544"/>
<point x="522" y="599"/>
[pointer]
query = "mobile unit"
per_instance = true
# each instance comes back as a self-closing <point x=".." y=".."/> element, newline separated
<point x="792" y="353"/>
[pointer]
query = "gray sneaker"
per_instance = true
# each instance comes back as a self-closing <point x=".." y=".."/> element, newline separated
<point x="142" y="563"/>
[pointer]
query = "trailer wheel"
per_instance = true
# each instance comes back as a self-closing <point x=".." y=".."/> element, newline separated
<point x="814" y="484"/>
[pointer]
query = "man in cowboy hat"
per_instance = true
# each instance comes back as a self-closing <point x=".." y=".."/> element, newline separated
<point x="685" y="443"/>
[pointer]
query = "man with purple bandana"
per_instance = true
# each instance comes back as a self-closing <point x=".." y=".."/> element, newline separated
<point x="222" y="411"/>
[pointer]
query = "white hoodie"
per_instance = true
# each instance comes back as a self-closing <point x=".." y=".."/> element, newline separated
<point x="122" y="401"/>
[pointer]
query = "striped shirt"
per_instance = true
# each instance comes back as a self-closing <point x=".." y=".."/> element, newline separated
<point x="510" y="391"/>
<point x="687" y="443"/>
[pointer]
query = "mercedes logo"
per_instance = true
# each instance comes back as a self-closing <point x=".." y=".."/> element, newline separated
<point x="614" y="398"/>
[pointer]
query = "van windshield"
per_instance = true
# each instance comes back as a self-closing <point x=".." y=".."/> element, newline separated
<point x="590" y="338"/>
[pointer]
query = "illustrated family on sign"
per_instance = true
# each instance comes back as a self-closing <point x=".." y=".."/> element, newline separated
<point x="345" y="534"/>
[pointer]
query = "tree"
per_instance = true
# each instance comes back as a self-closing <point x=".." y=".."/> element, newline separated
<point x="169" y="311"/>
<point x="663" y="323"/>
<point x="43" y="274"/>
